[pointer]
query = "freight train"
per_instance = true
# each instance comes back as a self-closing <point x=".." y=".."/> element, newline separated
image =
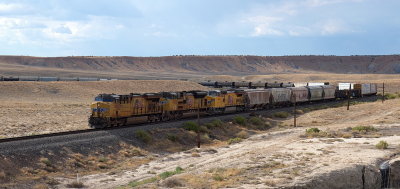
<point x="110" y="110"/>
<point x="254" y="85"/>
<point x="37" y="78"/>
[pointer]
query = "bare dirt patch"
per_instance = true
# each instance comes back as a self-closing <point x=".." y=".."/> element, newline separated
<point x="277" y="158"/>
<point x="29" y="108"/>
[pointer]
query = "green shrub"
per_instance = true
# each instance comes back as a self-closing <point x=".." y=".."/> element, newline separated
<point x="281" y="114"/>
<point x="299" y="112"/>
<point x="143" y="136"/>
<point x="46" y="161"/>
<point x="172" y="137"/>
<point x="256" y="121"/>
<point x="203" y="129"/>
<point x="205" y="137"/>
<point x="234" y="140"/>
<point x="312" y="130"/>
<point x="163" y="175"/>
<point x="103" y="159"/>
<point x="364" y="128"/>
<point x="142" y="182"/>
<point x="382" y="145"/>
<point x="218" y="177"/>
<point x="240" y="120"/>
<point x="167" y="174"/>
<point x="214" y="123"/>
<point x="391" y="96"/>
<point x="191" y="126"/>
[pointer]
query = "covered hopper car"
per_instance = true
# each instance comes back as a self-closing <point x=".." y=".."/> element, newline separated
<point x="113" y="110"/>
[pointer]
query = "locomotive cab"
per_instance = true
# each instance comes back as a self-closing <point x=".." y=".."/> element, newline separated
<point x="100" y="110"/>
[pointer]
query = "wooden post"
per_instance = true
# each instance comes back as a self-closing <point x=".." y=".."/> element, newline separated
<point x="348" y="98"/>
<point x="383" y="93"/>
<point x="198" y="123"/>
<point x="294" y="113"/>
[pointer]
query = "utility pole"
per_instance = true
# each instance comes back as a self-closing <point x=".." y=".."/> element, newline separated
<point x="383" y="93"/>
<point x="198" y="123"/>
<point x="294" y="111"/>
<point x="348" y="98"/>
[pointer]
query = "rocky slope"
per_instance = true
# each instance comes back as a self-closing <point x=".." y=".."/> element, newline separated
<point x="387" y="64"/>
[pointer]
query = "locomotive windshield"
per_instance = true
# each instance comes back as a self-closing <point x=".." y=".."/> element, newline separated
<point x="214" y="93"/>
<point x="104" y="98"/>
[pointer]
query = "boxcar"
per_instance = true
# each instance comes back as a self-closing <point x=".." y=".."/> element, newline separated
<point x="209" y="83"/>
<point x="87" y="79"/>
<point x="225" y="84"/>
<point x="257" y="98"/>
<point x="10" y="79"/>
<point x="368" y="89"/>
<point x="242" y="84"/>
<point x="329" y="92"/>
<point x="68" y="79"/>
<point x="287" y="85"/>
<point x="315" y="93"/>
<point x="300" y="93"/>
<point x="48" y="78"/>
<point x="28" y="78"/>
<point x="273" y="85"/>
<point x="280" y="95"/>
<point x="258" y="85"/>
<point x="374" y="89"/>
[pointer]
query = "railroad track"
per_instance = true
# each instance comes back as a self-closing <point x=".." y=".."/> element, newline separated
<point x="189" y="118"/>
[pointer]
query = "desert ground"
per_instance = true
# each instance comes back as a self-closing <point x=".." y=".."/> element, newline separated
<point x="29" y="108"/>
<point x="281" y="157"/>
<point x="275" y="157"/>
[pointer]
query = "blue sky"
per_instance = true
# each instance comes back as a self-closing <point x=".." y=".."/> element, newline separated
<point x="199" y="27"/>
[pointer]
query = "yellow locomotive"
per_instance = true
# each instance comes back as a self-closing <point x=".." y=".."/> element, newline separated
<point x="114" y="110"/>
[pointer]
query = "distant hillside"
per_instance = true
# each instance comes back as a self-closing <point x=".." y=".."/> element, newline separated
<point x="385" y="64"/>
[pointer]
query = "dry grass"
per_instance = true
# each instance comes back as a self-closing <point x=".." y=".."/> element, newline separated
<point x="382" y="145"/>
<point x="243" y="134"/>
<point x="75" y="184"/>
<point x="40" y="186"/>
<point x="2" y="175"/>
<point x="29" y="108"/>
<point x="213" y="178"/>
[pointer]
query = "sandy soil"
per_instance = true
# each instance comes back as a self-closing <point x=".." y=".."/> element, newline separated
<point x="28" y="108"/>
<point x="277" y="158"/>
<point x="41" y="107"/>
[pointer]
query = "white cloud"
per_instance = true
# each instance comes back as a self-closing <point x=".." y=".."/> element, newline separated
<point x="290" y="18"/>
<point x="43" y="30"/>
<point x="4" y="8"/>
<point x="262" y="25"/>
<point x="331" y="27"/>
<point x="317" y="3"/>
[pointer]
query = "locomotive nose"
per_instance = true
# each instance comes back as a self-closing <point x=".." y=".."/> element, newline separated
<point x="99" y="108"/>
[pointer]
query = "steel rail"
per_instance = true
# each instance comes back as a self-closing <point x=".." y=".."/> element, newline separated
<point x="191" y="118"/>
